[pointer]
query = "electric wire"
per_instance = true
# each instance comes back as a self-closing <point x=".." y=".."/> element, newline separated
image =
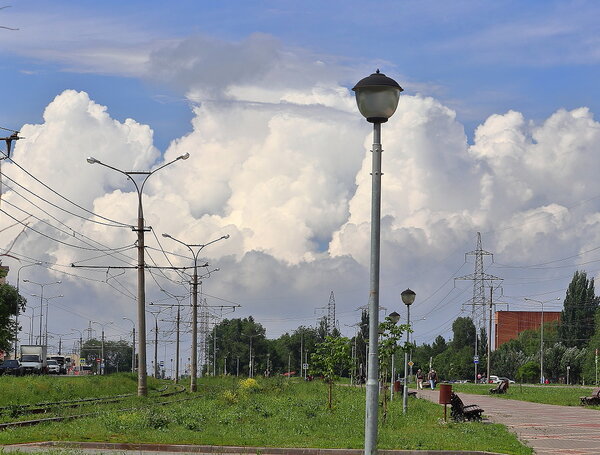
<point x="58" y="221"/>
<point x="118" y="249"/>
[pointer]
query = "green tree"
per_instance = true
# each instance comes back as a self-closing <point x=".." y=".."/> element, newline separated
<point x="577" y="319"/>
<point x="390" y="335"/>
<point x="332" y="356"/>
<point x="507" y="359"/>
<point x="117" y="355"/>
<point x="528" y="372"/>
<point x="590" y="367"/>
<point x="10" y="303"/>
<point x="463" y="330"/>
<point x="233" y="340"/>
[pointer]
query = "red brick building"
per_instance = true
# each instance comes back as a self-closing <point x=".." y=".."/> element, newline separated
<point x="509" y="324"/>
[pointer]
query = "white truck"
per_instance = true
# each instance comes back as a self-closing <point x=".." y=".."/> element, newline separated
<point x="33" y="358"/>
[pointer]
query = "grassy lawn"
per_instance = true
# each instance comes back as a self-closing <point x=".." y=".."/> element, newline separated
<point x="37" y="389"/>
<point x="277" y="413"/>
<point x="546" y="394"/>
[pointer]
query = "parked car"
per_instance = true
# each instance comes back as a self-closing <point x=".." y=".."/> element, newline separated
<point x="53" y="367"/>
<point x="498" y="379"/>
<point x="11" y="367"/>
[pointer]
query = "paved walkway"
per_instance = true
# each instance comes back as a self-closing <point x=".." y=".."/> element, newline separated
<point x="549" y="429"/>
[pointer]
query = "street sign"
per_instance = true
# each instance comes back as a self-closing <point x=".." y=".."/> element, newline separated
<point x="475" y="359"/>
<point x="305" y="366"/>
<point x="411" y="363"/>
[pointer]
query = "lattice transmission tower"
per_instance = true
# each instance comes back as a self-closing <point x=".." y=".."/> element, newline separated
<point x="331" y="314"/>
<point x="479" y="278"/>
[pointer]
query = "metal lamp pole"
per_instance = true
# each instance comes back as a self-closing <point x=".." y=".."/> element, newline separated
<point x="47" y="299"/>
<point x="377" y="98"/>
<point x="41" y="285"/>
<point x="17" y="314"/>
<point x="195" y="254"/>
<point x="541" y="335"/>
<point x="408" y="297"/>
<point x="132" y="346"/>
<point x="141" y="279"/>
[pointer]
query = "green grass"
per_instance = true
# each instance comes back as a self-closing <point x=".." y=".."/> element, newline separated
<point x="276" y="413"/>
<point x="545" y="394"/>
<point x="37" y="389"/>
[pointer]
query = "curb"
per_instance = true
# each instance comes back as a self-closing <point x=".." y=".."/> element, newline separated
<point x="207" y="449"/>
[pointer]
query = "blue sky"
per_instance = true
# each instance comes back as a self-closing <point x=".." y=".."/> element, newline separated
<point x="478" y="57"/>
<point x="496" y="133"/>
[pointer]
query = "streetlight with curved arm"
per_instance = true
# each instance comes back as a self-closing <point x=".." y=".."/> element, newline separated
<point x="41" y="285"/>
<point x="17" y="314"/>
<point x="542" y="334"/>
<point x="141" y="291"/>
<point x="47" y="299"/>
<point x="194" y="283"/>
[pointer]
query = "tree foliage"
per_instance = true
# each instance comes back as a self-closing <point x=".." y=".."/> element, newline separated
<point x="577" y="319"/>
<point x="117" y="355"/>
<point x="10" y="303"/>
<point x="331" y="357"/>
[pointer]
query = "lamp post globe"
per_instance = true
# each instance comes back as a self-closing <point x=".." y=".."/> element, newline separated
<point x="408" y="297"/>
<point x="394" y="317"/>
<point x="377" y="97"/>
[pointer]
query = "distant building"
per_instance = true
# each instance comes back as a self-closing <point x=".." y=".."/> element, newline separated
<point x="509" y="324"/>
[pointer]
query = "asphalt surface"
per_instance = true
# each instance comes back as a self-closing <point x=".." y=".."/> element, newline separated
<point x="549" y="429"/>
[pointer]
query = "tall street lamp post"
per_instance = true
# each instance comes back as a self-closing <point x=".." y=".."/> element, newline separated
<point x="41" y="285"/>
<point x="377" y="98"/>
<point x="17" y="314"/>
<point x="132" y="345"/>
<point x="47" y="299"/>
<point x="141" y="279"/>
<point x="541" y="335"/>
<point x="199" y="247"/>
<point x="408" y="297"/>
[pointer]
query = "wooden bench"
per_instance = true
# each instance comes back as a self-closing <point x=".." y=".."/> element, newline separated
<point x="593" y="400"/>
<point x="501" y="388"/>
<point x="461" y="412"/>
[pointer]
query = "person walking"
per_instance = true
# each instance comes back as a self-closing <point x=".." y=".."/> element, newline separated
<point x="420" y="377"/>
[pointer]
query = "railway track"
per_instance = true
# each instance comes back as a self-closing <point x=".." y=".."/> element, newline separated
<point x="56" y="407"/>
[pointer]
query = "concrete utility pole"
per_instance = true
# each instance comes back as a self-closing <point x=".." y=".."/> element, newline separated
<point x="199" y="247"/>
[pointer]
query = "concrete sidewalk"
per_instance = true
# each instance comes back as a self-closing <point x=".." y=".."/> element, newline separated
<point x="549" y="429"/>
